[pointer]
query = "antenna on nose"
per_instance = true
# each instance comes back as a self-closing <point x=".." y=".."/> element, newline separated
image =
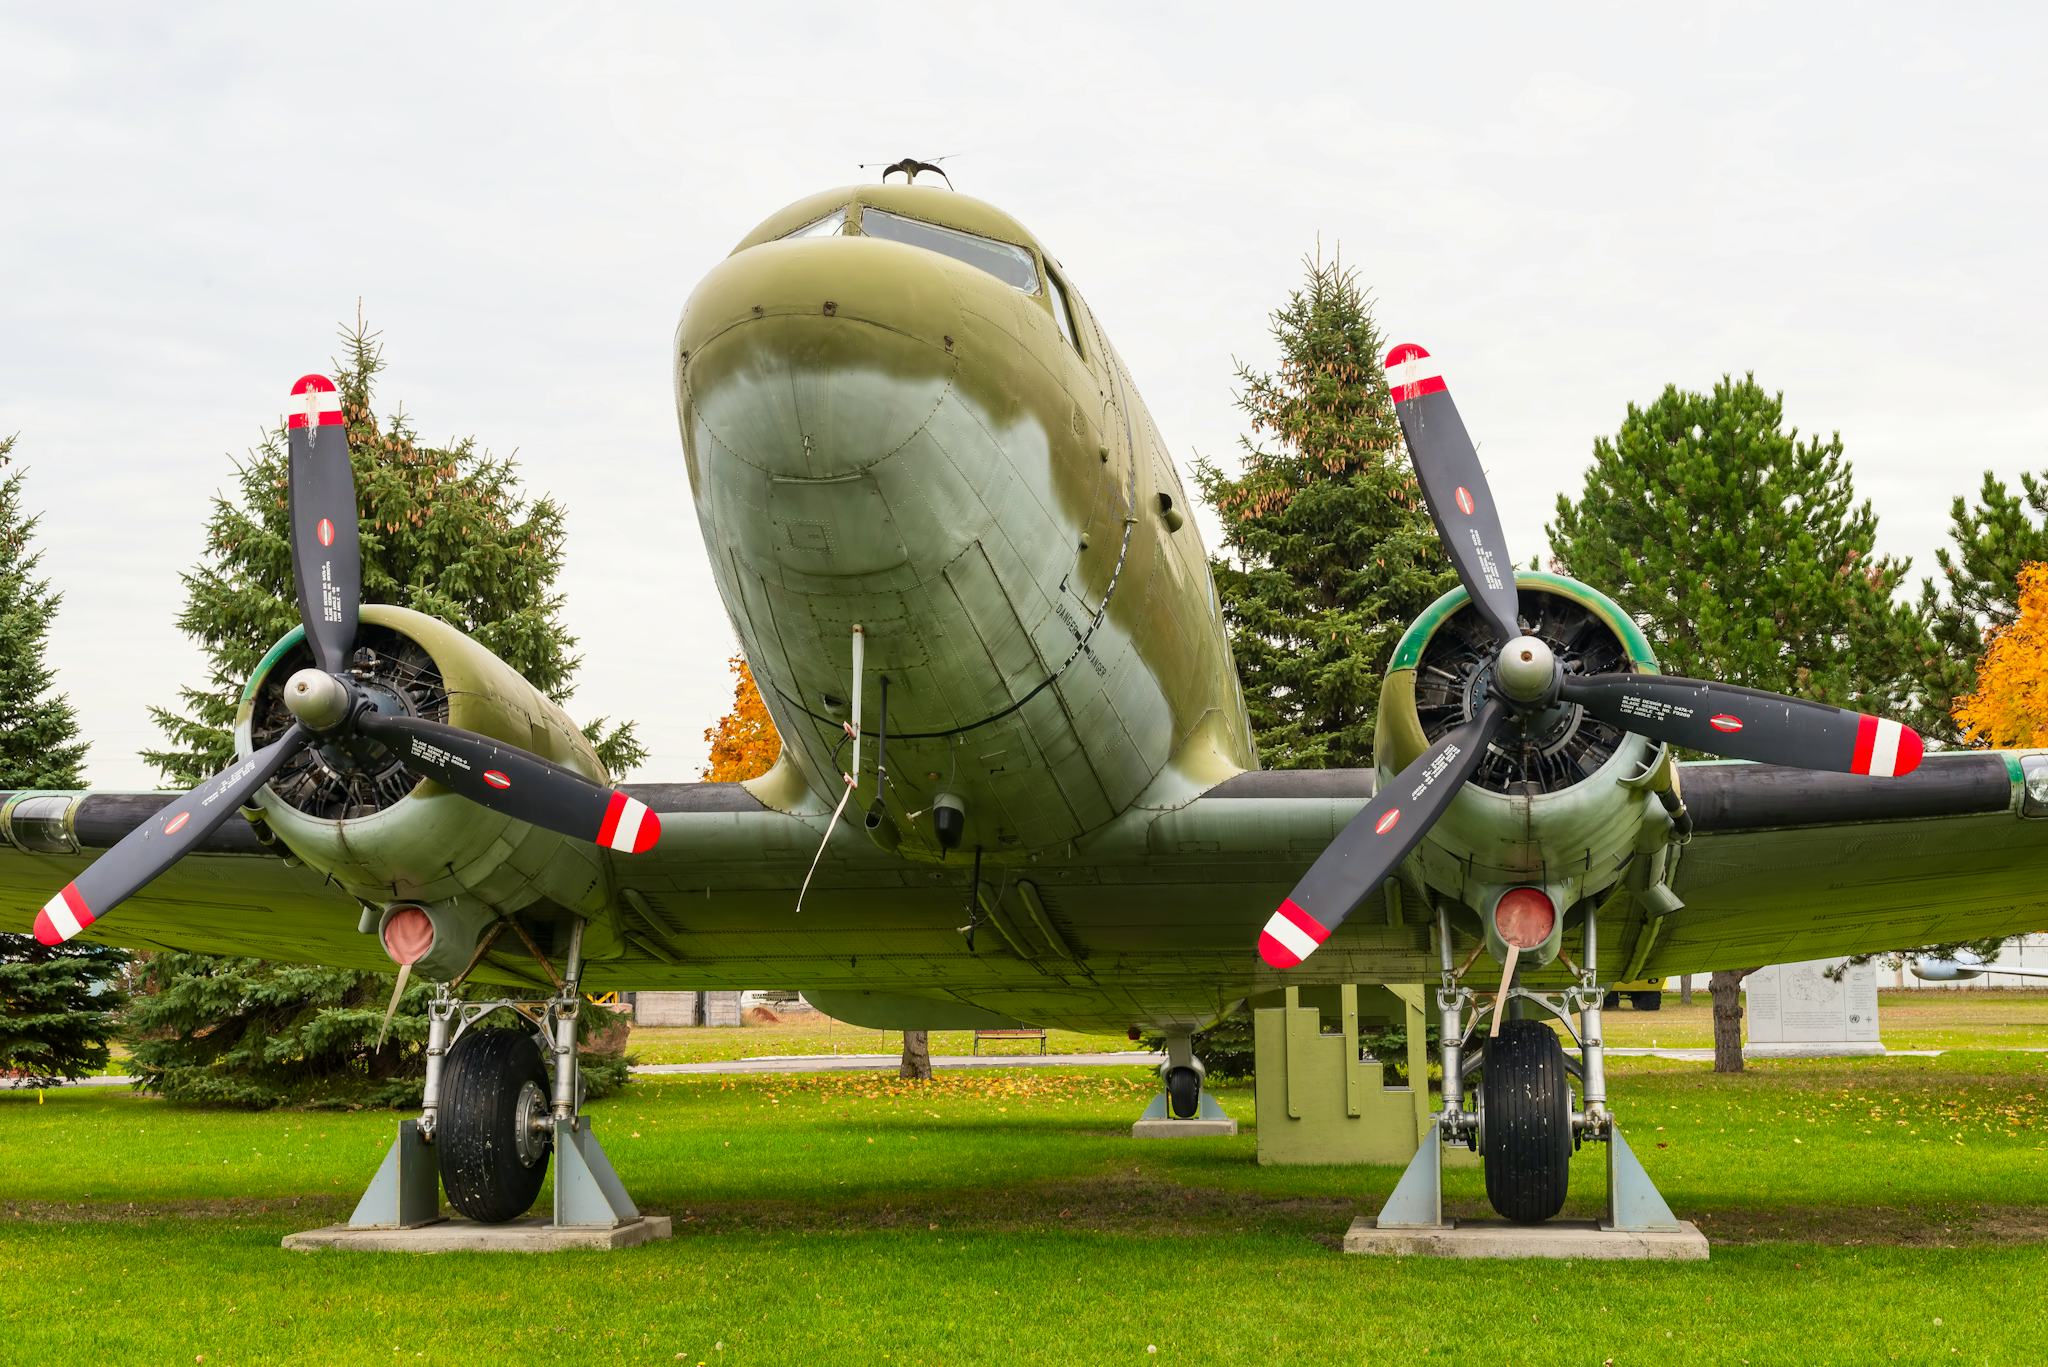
<point x="910" y="167"/>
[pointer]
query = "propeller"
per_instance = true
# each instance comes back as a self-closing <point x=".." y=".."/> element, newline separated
<point x="1527" y="680"/>
<point x="327" y="703"/>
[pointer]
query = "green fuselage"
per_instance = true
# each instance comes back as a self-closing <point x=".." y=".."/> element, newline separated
<point x="932" y="439"/>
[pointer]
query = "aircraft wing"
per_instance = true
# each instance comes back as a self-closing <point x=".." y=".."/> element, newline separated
<point x="1791" y="864"/>
<point x="237" y="894"/>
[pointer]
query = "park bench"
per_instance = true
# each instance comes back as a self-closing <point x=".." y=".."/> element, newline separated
<point x="981" y="1035"/>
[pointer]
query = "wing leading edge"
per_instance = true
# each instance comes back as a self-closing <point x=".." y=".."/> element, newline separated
<point x="1787" y="866"/>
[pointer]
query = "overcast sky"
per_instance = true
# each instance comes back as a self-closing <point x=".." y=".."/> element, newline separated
<point x="1569" y="211"/>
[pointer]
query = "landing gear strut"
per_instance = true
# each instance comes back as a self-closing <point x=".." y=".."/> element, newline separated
<point x="1524" y="1125"/>
<point x="1183" y="1108"/>
<point x="492" y="1115"/>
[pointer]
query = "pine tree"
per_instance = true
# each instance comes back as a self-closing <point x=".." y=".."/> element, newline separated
<point x="57" y="1002"/>
<point x="39" y="745"/>
<point x="1741" y="551"/>
<point x="445" y="531"/>
<point x="744" y="744"/>
<point x="1976" y="592"/>
<point x="1330" y="553"/>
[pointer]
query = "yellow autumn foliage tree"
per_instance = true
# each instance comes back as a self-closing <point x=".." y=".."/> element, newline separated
<point x="2010" y="706"/>
<point x="744" y="743"/>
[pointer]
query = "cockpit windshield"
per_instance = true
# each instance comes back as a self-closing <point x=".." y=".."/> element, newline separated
<point x="1010" y="264"/>
<point x="831" y="225"/>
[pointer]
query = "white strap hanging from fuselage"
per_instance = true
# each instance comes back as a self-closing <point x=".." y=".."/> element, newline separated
<point x="852" y="776"/>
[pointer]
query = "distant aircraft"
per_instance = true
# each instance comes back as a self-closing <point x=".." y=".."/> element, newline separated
<point x="1018" y="781"/>
<point x="1964" y="966"/>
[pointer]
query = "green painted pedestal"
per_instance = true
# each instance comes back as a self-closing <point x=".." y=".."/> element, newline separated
<point x="1317" y="1102"/>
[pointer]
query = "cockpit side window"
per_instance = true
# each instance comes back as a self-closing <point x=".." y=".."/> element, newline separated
<point x="1008" y="263"/>
<point x="1062" y="312"/>
<point x="831" y="225"/>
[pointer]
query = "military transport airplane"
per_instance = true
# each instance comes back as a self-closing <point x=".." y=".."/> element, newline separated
<point x="1018" y="782"/>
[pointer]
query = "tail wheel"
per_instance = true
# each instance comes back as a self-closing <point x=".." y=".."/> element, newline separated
<point x="1646" y="1001"/>
<point x="492" y="1130"/>
<point x="1526" y="1133"/>
<point x="1184" y="1093"/>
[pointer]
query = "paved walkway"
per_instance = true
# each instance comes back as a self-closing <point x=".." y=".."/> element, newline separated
<point x="854" y="1063"/>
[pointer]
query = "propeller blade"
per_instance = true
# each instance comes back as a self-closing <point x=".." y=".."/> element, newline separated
<point x="327" y="560"/>
<point x="1744" y="723"/>
<point x="507" y="779"/>
<point x="168" y="836"/>
<point x="1459" y="500"/>
<point x="1378" y="838"/>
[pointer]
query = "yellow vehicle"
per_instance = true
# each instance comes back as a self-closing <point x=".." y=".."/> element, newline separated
<point x="1644" y="994"/>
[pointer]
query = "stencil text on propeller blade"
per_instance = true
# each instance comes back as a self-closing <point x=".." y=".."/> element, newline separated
<point x="434" y="754"/>
<point x="330" y="595"/>
<point x="1486" y="564"/>
<point x="1436" y="769"/>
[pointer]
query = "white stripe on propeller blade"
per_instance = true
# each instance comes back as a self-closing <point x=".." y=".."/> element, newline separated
<point x="1298" y="941"/>
<point x="627" y="833"/>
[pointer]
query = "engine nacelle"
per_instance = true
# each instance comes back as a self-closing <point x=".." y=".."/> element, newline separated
<point x="349" y="809"/>
<point x="1564" y="810"/>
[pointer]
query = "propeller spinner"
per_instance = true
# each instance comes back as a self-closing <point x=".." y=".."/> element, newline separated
<point x="1717" y="718"/>
<point x="327" y="704"/>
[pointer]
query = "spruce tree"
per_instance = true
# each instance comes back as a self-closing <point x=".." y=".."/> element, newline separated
<point x="1741" y="550"/>
<point x="1976" y="592"/>
<point x="1329" y="550"/>
<point x="57" y="1002"/>
<point x="445" y="531"/>
<point x="39" y="744"/>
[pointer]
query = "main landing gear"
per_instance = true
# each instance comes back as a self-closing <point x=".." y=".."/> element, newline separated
<point x="492" y="1115"/>
<point x="1524" y="1125"/>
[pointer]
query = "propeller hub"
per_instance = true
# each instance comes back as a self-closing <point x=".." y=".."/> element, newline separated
<point x="1526" y="672"/>
<point x="317" y="699"/>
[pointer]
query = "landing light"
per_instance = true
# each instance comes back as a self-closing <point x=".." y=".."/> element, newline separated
<point x="1524" y="917"/>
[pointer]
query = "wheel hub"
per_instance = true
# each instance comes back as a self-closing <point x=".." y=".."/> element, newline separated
<point x="533" y="1126"/>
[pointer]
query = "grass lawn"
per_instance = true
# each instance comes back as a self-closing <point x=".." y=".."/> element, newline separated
<point x="1907" y="1019"/>
<point x="1862" y="1210"/>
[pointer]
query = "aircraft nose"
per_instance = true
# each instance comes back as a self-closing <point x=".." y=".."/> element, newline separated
<point x="819" y="357"/>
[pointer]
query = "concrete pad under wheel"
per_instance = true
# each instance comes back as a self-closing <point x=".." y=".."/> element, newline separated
<point x="1555" y="1239"/>
<point x="533" y="1235"/>
<point x="1183" y="1129"/>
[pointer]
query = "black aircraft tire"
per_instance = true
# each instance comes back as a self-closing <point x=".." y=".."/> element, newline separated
<point x="1611" y="1002"/>
<point x="483" y="1169"/>
<point x="1647" y="1001"/>
<point x="1527" y="1143"/>
<point x="1184" y="1093"/>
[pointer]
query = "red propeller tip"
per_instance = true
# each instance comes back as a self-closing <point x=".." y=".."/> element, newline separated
<point x="63" y="916"/>
<point x="314" y="403"/>
<point x="1290" y="936"/>
<point x="1885" y="749"/>
<point x="1910" y="749"/>
<point x="649" y="836"/>
<point x="1274" y="953"/>
<point x="628" y="826"/>
<point x="1411" y="373"/>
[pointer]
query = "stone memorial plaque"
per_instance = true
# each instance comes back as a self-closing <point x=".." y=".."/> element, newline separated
<point x="1798" y="1011"/>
